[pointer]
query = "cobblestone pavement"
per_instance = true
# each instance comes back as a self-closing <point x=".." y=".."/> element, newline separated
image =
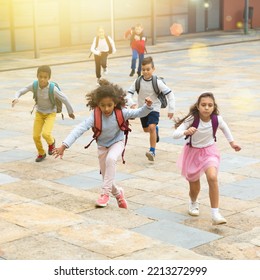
<point x="47" y="209"/>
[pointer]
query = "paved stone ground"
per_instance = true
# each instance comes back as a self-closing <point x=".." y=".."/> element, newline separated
<point x="47" y="209"/>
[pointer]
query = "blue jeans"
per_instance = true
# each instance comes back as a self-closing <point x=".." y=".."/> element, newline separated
<point x="135" y="56"/>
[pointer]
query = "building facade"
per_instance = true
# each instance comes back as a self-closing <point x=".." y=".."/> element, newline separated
<point x="67" y="23"/>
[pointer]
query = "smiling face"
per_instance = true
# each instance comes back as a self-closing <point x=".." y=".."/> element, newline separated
<point x="206" y="107"/>
<point x="107" y="106"/>
<point x="147" y="71"/>
<point x="43" y="78"/>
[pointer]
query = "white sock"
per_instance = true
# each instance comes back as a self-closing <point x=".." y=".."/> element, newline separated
<point x="214" y="211"/>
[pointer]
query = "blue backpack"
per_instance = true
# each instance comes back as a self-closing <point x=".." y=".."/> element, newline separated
<point x="54" y="101"/>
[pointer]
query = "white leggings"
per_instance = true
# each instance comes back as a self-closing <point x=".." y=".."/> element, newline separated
<point x="107" y="162"/>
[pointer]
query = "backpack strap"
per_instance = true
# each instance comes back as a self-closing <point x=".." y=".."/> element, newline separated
<point x="97" y="128"/>
<point x="137" y="83"/>
<point x="195" y="124"/>
<point x="214" y="122"/>
<point x="123" y="125"/>
<point x="51" y="92"/>
<point x="155" y="84"/>
<point x="97" y="41"/>
<point x="109" y="44"/>
<point x="35" y="88"/>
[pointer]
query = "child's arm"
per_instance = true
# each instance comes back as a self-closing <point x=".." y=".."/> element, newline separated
<point x="226" y="131"/>
<point x="112" y="44"/>
<point x="74" y="135"/>
<point x="93" y="48"/>
<point x="63" y="98"/>
<point x="15" y="101"/>
<point x="130" y="95"/>
<point x="235" y="146"/>
<point x="184" y="129"/>
<point x="58" y="152"/>
<point x="140" y="112"/>
<point x="21" y="92"/>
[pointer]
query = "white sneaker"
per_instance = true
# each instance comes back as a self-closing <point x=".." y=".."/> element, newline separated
<point x="218" y="219"/>
<point x="98" y="80"/>
<point x="105" y="71"/>
<point x="150" y="155"/>
<point x="194" y="208"/>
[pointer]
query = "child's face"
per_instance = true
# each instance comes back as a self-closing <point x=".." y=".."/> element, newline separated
<point x="138" y="30"/>
<point x="206" y="107"/>
<point x="107" y="106"/>
<point x="43" y="78"/>
<point x="101" y="33"/>
<point x="147" y="71"/>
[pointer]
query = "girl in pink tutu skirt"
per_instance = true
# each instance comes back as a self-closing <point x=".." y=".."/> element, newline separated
<point x="200" y="154"/>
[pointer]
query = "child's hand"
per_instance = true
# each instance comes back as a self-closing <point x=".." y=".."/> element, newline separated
<point x="58" y="152"/>
<point x="14" y="102"/>
<point x="190" y="131"/>
<point x="148" y="101"/>
<point x="170" y="115"/>
<point x="72" y="116"/>
<point x="235" y="146"/>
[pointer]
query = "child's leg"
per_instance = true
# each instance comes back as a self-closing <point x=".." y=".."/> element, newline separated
<point x="194" y="204"/>
<point x="149" y="124"/>
<point x="37" y="130"/>
<point x="211" y="174"/>
<point x="98" y="66"/>
<point x="152" y="130"/>
<point x="48" y="127"/>
<point x="194" y="190"/>
<point x="107" y="160"/>
<point x="217" y="218"/>
<point x="134" y="58"/>
<point x="141" y="58"/>
<point x="104" y="60"/>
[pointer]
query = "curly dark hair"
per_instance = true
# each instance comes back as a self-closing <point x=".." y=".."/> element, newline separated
<point x="106" y="89"/>
<point x="194" y="109"/>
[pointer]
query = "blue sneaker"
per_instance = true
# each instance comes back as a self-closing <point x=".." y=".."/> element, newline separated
<point x="157" y="134"/>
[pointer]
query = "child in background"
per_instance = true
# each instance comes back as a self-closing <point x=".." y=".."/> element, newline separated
<point x="150" y="122"/>
<point x="137" y="43"/>
<point x="200" y="154"/>
<point x="45" y="111"/>
<point x="110" y="143"/>
<point x="101" y="47"/>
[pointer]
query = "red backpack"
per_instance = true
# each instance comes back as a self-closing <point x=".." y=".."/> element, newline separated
<point x="196" y="121"/>
<point x="97" y="129"/>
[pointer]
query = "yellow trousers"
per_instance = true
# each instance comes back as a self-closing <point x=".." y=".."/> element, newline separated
<point x="43" y="126"/>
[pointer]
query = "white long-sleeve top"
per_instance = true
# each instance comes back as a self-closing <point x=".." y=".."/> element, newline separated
<point x="203" y="137"/>
<point x="102" y="45"/>
<point x="111" y="133"/>
<point x="44" y="104"/>
<point x="146" y="90"/>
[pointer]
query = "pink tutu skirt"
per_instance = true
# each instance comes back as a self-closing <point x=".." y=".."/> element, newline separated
<point x="193" y="162"/>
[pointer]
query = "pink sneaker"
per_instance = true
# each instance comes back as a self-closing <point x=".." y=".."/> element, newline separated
<point x="103" y="200"/>
<point x="121" y="199"/>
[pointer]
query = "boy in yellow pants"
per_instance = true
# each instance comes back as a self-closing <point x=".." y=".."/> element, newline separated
<point x="45" y="109"/>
